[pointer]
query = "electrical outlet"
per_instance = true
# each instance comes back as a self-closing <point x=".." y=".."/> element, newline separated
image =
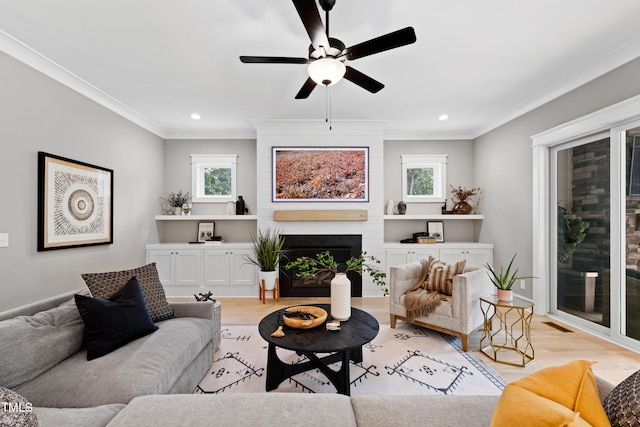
<point x="522" y="284"/>
<point x="4" y="240"/>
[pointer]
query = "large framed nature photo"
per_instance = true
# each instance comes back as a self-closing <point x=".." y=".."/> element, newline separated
<point x="320" y="174"/>
<point x="75" y="203"/>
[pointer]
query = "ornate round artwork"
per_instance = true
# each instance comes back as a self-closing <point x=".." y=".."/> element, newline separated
<point x="80" y="205"/>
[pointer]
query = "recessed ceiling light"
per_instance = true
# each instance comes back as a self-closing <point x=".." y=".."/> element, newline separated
<point x="195" y="116"/>
<point x="443" y="117"/>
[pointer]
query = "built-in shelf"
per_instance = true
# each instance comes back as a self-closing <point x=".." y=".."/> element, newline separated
<point x="422" y="217"/>
<point x="206" y="217"/>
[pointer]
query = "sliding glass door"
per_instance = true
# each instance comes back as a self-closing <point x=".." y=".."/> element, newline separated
<point x="581" y="230"/>
<point x="630" y="288"/>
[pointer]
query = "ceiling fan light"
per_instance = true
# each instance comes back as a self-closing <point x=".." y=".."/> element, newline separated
<point x="326" y="71"/>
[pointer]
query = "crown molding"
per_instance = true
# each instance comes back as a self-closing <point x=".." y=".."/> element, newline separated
<point x="607" y="63"/>
<point x="25" y="54"/>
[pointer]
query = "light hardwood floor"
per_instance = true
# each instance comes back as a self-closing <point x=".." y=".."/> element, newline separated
<point x="552" y="346"/>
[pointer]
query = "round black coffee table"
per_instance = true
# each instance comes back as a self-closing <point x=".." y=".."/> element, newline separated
<point x="344" y="345"/>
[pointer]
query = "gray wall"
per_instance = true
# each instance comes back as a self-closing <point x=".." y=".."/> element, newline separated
<point x="178" y="177"/>
<point x="38" y="114"/>
<point x="503" y="163"/>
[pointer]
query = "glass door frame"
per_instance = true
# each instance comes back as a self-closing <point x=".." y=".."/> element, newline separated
<point x="612" y="120"/>
<point x="553" y="229"/>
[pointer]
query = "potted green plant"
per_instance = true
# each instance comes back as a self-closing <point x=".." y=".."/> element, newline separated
<point x="505" y="280"/>
<point x="176" y="200"/>
<point x="340" y="284"/>
<point x="268" y="251"/>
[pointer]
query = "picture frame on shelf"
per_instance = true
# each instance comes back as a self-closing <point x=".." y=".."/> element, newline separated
<point x="436" y="229"/>
<point x="206" y="231"/>
<point x="75" y="203"/>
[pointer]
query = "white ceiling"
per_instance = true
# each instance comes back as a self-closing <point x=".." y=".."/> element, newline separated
<point x="482" y="62"/>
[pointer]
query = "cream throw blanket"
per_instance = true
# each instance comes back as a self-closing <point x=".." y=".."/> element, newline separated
<point x="419" y="301"/>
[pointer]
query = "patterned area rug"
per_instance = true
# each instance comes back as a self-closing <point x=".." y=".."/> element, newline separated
<point x="402" y="361"/>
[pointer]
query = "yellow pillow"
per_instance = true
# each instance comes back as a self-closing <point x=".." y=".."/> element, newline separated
<point x="564" y="395"/>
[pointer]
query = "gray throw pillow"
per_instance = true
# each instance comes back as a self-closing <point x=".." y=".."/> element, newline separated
<point x="15" y="410"/>
<point x="622" y="405"/>
<point x="104" y="285"/>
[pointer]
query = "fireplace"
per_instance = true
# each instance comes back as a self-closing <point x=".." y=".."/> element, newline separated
<point x="342" y="247"/>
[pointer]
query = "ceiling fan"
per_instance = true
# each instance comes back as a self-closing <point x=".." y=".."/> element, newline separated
<point x="327" y="54"/>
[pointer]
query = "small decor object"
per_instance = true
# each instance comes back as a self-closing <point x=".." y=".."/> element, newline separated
<point x="75" y="203"/>
<point x="240" y="206"/>
<point x="186" y="209"/>
<point x="436" y="230"/>
<point x="505" y="280"/>
<point x="461" y="195"/>
<point x="174" y="202"/>
<point x="304" y="317"/>
<point x="206" y="231"/>
<point x="231" y="208"/>
<point x="341" y="297"/>
<point x="204" y="297"/>
<point x="402" y="207"/>
<point x="389" y="207"/>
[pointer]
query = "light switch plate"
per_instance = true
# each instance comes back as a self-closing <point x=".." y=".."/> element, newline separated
<point x="4" y="240"/>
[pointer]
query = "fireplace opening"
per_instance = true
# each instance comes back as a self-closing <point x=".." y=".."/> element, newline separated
<point x="342" y="247"/>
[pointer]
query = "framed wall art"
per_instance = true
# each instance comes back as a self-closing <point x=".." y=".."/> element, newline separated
<point x="75" y="203"/>
<point x="316" y="174"/>
<point x="436" y="229"/>
<point x="206" y="231"/>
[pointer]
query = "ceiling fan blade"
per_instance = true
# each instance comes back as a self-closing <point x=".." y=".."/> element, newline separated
<point x="389" y="41"/>
<point x="312" y="22"/>
<point x="272" y="60"/>
<point x="362" y="80"/>
<point x="306" y="89"/>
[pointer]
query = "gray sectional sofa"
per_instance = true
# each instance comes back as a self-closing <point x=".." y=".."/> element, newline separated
<point x="46" y="363"/>
<point x="149" y="381"/>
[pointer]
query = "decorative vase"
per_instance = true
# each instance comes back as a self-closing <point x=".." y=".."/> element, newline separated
<point x="402" y="207"/>
<point x="505" y="295"/>
<point x="177" y="210"/>
<point x="340" y="297"/>
<point x="240" y="206"/>
<point x="231" y="208"/>
<point x="269" y="278"/>
<point x="389" y="210"/>
<point x="462" y="207"/>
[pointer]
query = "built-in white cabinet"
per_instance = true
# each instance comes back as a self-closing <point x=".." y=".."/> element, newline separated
<point x="228" y="267"/>
<point x="186" y="269"/>
<point x="177" y="267"/>
<point x="477" y="254"/>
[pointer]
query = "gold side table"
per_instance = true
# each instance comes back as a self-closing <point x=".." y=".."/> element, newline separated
<point x="507" y="330"/>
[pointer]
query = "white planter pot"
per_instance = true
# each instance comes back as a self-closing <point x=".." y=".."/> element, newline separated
<point x="269" y="278"/>
<point x="341" y="297"/>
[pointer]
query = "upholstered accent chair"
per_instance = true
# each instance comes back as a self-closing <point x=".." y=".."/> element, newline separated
<point x="458" y="314"/>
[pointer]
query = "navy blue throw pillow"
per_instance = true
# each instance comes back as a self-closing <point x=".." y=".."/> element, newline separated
<point x="110" y="324"/>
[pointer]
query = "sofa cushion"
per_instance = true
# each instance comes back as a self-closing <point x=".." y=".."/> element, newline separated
<point x="97" y="416"/>
<point x="38" y="343"/>
<point x="148" y="365"/>
<point x="112" y="323"/>
<point x="559" y="395"/>
<point x="103" y="285"/>
<point x="622" y="405"/>
<point x="440" y="278"/>
<point x="242" y="409"/>
<point x="15" y="410"/>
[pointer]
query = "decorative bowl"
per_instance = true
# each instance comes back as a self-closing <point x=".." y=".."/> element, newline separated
<point x="300" y="323"/>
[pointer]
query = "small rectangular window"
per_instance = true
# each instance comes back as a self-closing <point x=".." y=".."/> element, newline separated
<point x="213" y="177"/>
<point x="424" y="178"/>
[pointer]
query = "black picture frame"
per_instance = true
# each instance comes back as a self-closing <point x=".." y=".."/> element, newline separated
<point x="206" y="231"/>
<point x="75" y="203"/>
<point x="436" y="229"/>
